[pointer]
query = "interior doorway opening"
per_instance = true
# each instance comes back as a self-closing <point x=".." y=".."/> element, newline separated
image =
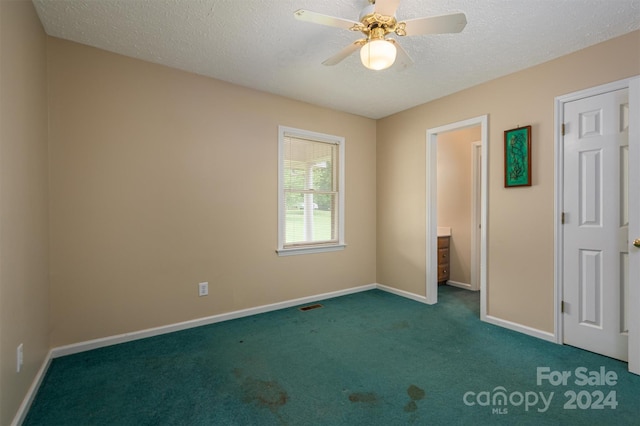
<point x="458" y="211"/>
<point x="432" y="175"/>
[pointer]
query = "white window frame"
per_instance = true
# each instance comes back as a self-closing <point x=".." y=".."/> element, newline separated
<point x="311" y="247"/>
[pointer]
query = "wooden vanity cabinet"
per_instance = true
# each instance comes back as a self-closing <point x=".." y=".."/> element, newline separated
<point x="443" y="259"/>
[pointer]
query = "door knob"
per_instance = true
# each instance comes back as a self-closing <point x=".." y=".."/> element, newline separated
<point x="637" y="242"/>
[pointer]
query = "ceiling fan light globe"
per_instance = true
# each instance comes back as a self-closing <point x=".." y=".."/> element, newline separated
<point x="378" y="54"/>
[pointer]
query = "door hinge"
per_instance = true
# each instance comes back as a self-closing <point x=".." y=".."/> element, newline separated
<point x="562" y="218"/>
<point x="562" y="306"/>
<point x="563" y="129"/>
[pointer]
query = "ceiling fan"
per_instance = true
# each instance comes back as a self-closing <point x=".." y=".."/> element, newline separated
<point x="377" y="20"/>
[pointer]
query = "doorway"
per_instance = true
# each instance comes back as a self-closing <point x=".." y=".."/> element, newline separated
<point x="432" y="207"/>
<point x="597" y="218"/>
<point x="458" y="176"/>
<point x="595" y="228"/>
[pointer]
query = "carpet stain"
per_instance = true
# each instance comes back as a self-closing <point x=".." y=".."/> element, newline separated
<point x="400" y="325"/>
<point x="366" y="397"/>
<point x="415" y="393"/>
<point x="268" y="394"/>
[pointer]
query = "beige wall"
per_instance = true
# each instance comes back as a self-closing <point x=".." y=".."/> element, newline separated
<point x="520" y="231"/>
<point x="24" y="286"/>
<point x="454" y="197"/>
<point x="161" y="179"/>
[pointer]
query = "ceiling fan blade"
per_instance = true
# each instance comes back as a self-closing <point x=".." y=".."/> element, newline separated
<point x="453" y="23"/>
<point x="331" y="21"/>
<point x="386" y="7"/>
<point x="344" y="53"/>
<point x="403" y="60"/>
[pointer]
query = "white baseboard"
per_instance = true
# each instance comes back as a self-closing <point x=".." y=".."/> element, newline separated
<point x="544" y="335"/>
<point x="408" y="295"/>
<point x="127" y="337"/>
<point x="459" y="284"/>
<point x="150" y="332"/>
<point x="31" y="393"/>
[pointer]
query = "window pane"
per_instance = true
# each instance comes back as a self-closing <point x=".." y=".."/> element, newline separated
<point x="323" y="175"/>
<point x="309" y="164"/>
<point x="307" y="222"/>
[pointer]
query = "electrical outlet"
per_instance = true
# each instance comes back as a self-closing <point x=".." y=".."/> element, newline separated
<point x="19" y="357"/>
<point x="203" y="289"/>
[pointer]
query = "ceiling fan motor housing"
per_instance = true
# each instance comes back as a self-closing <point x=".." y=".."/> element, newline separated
<point x="374" y="25"/>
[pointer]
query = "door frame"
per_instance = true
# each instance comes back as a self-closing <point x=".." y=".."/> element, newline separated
<point x="633" y="84"/>
<point x="476" y="209"/>
<point x="431" y="208"/>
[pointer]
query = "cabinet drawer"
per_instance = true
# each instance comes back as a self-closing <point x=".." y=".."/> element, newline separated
<point x="443" y="273"/>
<point x="443" y="256"/>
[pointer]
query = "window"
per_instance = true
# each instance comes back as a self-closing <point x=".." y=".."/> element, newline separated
<point x="311" y="192"/>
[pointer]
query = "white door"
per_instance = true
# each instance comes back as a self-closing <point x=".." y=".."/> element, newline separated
<point x="596" y="220"/>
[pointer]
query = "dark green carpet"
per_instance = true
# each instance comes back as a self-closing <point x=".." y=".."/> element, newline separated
<point x="371" y="358"/>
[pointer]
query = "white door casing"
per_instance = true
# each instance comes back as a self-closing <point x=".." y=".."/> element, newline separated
<point x="476" y="216"/>
<point x="634" y="225"/>
<point x="431" y="208"/>
<point x="595" y="230"/>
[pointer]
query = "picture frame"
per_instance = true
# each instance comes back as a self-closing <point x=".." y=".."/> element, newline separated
<point x="517" y="157"/>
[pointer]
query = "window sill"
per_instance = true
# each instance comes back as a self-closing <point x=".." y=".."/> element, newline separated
<point x="309" y="250"/>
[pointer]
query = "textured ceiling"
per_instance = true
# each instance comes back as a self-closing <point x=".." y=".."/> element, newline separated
<point x="259" y="44"/>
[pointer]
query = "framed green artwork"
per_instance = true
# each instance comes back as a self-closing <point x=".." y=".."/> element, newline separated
<point x="517" y="157"/>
